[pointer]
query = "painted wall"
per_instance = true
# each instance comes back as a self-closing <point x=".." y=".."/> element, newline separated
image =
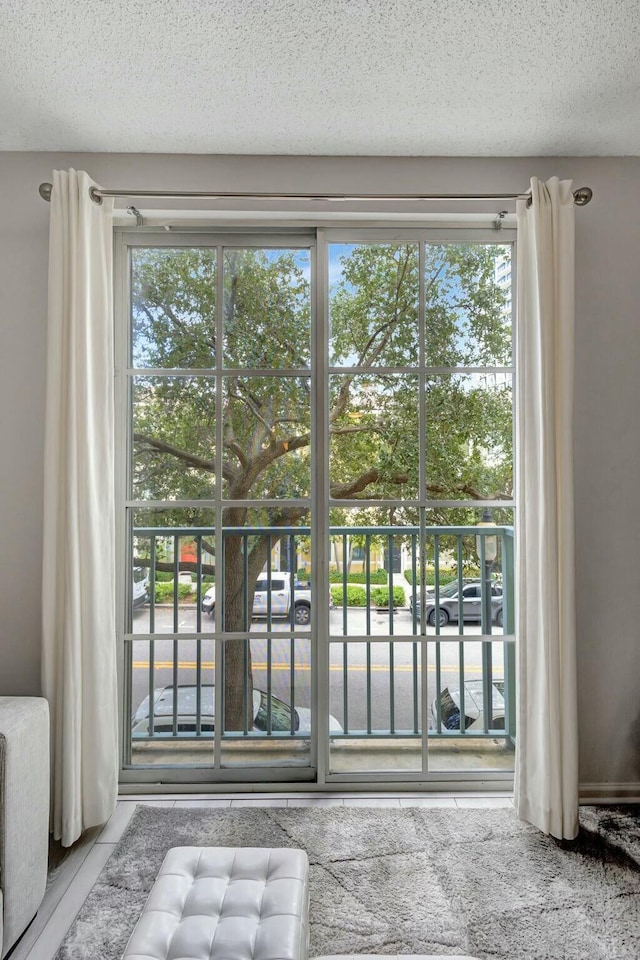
<point x="607" y="442"/>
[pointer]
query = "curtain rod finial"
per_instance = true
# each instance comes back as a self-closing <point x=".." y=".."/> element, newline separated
<point x="45" y="191"/>
<point x="582" y="196"/>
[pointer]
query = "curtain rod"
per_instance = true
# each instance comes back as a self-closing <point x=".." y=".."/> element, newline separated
<point x="582" y="196"/>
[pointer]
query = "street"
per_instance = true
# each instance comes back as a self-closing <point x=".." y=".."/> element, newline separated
<point x="348" y="662"/>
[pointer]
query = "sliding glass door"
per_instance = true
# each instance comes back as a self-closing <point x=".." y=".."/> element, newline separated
<point x="316" y="526"/>
<point x="216" y="390"/>
<point x="420" y="429"/>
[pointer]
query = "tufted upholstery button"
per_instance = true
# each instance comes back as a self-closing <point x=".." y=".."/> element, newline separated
<point x="226" y="903"/>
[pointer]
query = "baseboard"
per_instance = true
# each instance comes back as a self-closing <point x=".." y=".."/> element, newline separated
<point x="609" y="793"/>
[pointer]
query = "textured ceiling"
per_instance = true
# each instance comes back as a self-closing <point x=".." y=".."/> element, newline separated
<point x="367" y="77"/>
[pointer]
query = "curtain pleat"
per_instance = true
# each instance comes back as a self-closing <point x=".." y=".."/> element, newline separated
<point x="78" y="630"/>
<point x="546" y="782"/>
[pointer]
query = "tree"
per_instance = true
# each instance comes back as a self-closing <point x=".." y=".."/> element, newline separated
<point x="373" y="410"/>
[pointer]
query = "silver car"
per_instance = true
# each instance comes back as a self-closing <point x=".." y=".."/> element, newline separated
<point x="450" y="702"/>
<point x="140" y="588"/>
<point x="449" y="608"/>
<point x="282" y="715"/>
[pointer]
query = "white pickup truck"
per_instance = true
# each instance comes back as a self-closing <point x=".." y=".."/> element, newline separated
<point x="282" y="597"/>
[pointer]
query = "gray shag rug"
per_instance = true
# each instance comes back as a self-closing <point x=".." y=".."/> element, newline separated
<point x="416" y="880"/>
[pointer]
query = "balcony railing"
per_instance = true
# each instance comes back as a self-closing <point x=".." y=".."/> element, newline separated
<point x="386" y="654"/>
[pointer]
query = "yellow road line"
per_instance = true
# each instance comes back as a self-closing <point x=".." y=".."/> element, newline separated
<point x="354" y="667"/>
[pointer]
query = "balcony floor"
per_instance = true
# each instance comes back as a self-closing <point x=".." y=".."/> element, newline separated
<point x="475" y="756"/>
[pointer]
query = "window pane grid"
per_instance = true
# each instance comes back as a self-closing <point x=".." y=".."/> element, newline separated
<point x="399" y="389"/>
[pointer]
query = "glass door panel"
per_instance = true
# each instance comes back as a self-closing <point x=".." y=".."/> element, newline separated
<point x="419" y="430"/>
<point x="265" y="613"/>
<point x="217" y="388"/>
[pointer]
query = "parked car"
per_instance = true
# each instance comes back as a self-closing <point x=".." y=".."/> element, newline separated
<point x="140" y="590"/>
<point x="282" y="597"/>
<point x="163" y="698"/>
<point x="473" y="706"/>
<point x="471" y="603"/>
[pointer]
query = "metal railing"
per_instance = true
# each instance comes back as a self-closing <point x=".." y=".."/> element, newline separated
<point x="377" y="636"/>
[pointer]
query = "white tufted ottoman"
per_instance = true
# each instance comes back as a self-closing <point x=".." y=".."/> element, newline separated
<point x="226" y="903"/>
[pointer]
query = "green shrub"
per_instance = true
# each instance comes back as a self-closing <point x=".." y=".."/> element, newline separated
<point x="356" y="596"/>
<point x="163" y="576"/>
<point x="446" y="575"/>
<point x="164" y="592"/>
<point x="376" y="576"/>
<point x="380" y="597"/>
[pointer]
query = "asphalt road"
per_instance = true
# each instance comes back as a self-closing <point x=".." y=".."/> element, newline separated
<point x="390" y="667"/>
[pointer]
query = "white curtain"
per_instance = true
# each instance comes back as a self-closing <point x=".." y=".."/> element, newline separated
<point x="79" y="649"/>
<point x="546" y="786"/>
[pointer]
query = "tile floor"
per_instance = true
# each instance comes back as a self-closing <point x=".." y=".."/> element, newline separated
<point x="74" y="878"/>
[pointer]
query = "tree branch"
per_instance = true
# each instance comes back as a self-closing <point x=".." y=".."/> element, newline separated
<point x="344" y="491"/>
<point x="389" y="324"/>
<point x="429" y="286"/>
<point x="253" y="405"/>
<point x="366" y="428"/>
<point x="289" y="420"/>
<point x="209" y="341"/>
<point x="343" y="400"/>
<point x="237" y="449"/>
<point x="190" y="459"/>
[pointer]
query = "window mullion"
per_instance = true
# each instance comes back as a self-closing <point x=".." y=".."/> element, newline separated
<point x="219" y="558"/>
<point x="422" y="495"/>
<point x="320" y="504"/>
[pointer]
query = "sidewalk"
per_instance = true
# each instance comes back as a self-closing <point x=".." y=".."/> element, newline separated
<point x="399" y="580"/>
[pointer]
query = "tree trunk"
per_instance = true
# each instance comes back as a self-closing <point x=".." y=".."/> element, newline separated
<point x="238" y="694"/>
<point x="238" y="682"/>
